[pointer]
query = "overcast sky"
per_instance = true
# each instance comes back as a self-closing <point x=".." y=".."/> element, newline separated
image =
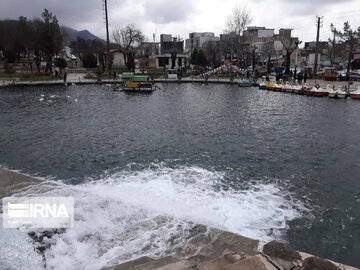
<point x="182" y="17"/>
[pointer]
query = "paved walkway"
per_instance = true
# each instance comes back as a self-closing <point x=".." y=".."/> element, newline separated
<point x="79" y="78"/>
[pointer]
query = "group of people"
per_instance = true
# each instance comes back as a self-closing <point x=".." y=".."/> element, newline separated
<point x="300" y="77"/>
<point x="297" y="77"/>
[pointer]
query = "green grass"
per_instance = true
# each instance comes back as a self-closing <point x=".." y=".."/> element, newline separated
<point x="40" y="78"/>
<point x="4" y="75"/>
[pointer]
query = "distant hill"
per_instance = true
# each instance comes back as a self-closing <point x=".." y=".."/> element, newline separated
<point x="72" y="34"/>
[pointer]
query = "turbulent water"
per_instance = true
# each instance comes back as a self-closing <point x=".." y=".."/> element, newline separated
<point x="145" y="169"/>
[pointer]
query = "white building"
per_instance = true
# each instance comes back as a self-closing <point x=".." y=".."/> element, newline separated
<point x="198" y="40"/>
<point x="171" y="53"/>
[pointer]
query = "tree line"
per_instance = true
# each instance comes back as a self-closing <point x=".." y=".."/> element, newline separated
<point x="37" y="39"/>
<point x="343" y="45"/>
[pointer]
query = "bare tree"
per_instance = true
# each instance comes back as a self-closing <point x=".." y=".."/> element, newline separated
<point x="290" y="46"/>
<point x="212" y="52"/>
<point x="235" y="24"/>
<point x="129" y="38"/>
<point x="239" y="19"/>
<point x="268" y="50"/>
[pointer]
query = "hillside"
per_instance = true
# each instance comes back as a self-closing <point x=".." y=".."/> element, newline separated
<point x="71" y="34"/>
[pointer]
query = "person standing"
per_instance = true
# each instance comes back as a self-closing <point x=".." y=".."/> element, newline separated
<point x="305" y="77"/>
<point x="299" y="77"/>
<point x="65" y="76"/>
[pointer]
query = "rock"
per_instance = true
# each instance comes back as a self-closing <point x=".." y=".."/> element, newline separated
<point x="180" y="265"/>
<point x="197" y="241"/>
<point x="219" y="263"/>
<point x="281" y="250"/>
<point x="315" y="263"/>
<point x="249" y="263"/>
<point x="238" y="243"/>
<point x="163" y="264"/>
<point x="267" y="264"/>
<point x="11" y="181"/>
<point x="231" y="243"/>
<point x="282" y="264"/>
<point x="130" y="264"/>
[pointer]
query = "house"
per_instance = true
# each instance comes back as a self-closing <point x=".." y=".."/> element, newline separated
<point x="308" y="55"/>
<point x="260" y="40"/>
<point x="263" y="44"/>
<point x="198" y="40"/>
<point x="147" y="53"/>
<point x="171" y="53"/>
<point x="68" y="55"/>
<point x="118" y="59"/>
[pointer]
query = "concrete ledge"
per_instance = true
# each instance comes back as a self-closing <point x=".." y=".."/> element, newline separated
<point x="228" y="251"/>
<point x="11" y="181"/>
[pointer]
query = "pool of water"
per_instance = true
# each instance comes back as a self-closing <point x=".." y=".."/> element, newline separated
<point x="263" y="164"/>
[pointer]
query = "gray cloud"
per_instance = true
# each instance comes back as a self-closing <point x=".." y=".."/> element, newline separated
<point x="310" y="7"/>
<point x="174" y="16"/>
<point x="69" y="13"/>
<point x="165" y="11"/>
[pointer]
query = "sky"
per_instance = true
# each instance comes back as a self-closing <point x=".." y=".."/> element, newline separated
<point x="180" y="18"/>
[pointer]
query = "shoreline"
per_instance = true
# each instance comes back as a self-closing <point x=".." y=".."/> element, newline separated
<point x="78" y="79"/>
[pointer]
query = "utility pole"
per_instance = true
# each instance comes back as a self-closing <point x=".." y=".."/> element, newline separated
<point x="332" y="50"/>
<point x="319" y="24"/>
<point x="107" y="39"/>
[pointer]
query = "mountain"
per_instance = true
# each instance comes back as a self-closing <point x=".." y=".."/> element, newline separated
<point x="71" y="34"/>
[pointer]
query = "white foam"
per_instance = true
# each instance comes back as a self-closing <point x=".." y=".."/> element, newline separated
<point x="149" y="212"/>
<point x="16" y="250"/>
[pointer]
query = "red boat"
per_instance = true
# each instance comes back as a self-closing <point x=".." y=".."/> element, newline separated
<point x="277" y="88"/>
<point x="318" y="93"/>
<point x="355" y="96"/>
<point x="305" y="90"/>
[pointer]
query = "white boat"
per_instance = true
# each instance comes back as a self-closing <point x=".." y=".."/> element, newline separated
<point x="296" y="89"/>
<point x="287" y="87"/>
<point x="332" y="91"/>
<point x="340" y="93"/>
<point x="262" y="85"/>
<point x="319" y="91"/>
